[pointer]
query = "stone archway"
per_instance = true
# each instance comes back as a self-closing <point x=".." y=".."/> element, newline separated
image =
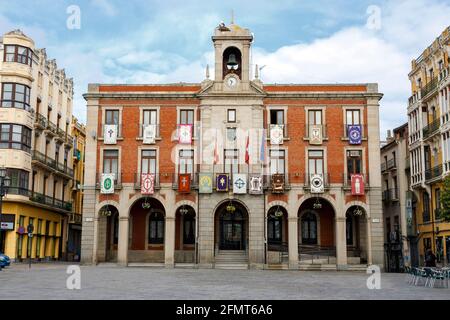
<point x="147" y="231"/>
<point x="108" y="231"/>
<point x="185" y="234"/>
<point x="231" y="226"/>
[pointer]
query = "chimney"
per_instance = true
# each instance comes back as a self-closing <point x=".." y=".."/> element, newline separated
<point x="389" y="136"/>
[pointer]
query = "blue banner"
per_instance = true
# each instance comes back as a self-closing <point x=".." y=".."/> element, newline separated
<point x="354" y="134"/>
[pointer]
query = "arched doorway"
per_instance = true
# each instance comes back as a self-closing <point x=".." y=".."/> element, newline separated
<point x="185" y="233"/>
<point x="231" y="226"/>
<point x="277" y="235"/>
<point x="316" y="231"/>
<point x="147" y="229"/>
<point x="109" y="226"/>
<point x="356" y="235"/>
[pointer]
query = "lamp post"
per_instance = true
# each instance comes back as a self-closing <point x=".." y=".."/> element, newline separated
<point x="4" y="185"/>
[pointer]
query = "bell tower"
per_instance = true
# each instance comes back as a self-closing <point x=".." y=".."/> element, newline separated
<point x="232" y="53"/>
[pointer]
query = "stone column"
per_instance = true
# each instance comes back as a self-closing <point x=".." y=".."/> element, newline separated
<point x="169" y="242"/>
<point x="369" y="241"/>
<point x="293" y="242"/>
<point x="341" y="243"/>
<point x="122" y="250"/>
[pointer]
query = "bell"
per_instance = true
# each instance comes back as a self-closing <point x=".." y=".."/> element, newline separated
<point x="232" y="62"/>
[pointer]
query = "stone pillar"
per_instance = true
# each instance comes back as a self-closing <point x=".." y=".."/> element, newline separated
<point x="293" y="242"/>
<point x="369" y="241"/>
<point x="169" y="242"/>
<point x="122" y="250"/>
<point x="341" y="243"/>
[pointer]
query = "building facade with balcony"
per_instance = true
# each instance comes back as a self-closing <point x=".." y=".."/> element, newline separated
<point x="78" y="132"/>
<point x="231" y="172"/>
<point x="429" y="143"/>
<point x="35" y="147"/>
<point x="400" y="241"/>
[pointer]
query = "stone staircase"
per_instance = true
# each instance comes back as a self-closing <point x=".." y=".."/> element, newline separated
<point x="231" y="260"/>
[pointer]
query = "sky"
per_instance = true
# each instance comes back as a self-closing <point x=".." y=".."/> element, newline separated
<point x="166" y="41"/>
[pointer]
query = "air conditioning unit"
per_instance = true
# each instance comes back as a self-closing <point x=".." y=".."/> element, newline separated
<point x="317" y="183"/>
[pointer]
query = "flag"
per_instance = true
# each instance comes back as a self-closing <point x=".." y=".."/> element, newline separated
<point x="357" y="185"/>
<point x="110" y="134"/>
<point x="247" y="154"/>
<point x="262" y="156"/>
<point x="216" y="153"/>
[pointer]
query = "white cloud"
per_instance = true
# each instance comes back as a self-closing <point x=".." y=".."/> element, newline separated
<point x="106" y="6"/>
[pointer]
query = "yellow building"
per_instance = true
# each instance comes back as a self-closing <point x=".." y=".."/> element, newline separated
<point x="35" y="149"/>
<point x="78" y="132"/>
<point x="429" y="134"/>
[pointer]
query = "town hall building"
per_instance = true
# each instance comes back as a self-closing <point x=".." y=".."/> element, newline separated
<point x="232" y="172"/>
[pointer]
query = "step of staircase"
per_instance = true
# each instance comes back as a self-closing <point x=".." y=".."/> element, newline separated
<point x="231" y="266"/>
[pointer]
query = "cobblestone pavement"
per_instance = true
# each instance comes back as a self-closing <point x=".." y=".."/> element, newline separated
<point x="48" y="281"/>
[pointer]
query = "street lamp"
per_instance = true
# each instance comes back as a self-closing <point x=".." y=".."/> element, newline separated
<point x="5" y="181"/>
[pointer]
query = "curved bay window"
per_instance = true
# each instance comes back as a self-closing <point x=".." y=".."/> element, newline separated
<point x="19" y="181"/>
<point x="15" y="95"/>
<point x="20" y="54"/>
<point x="15" y="136"/>
<point x="189" y="228"/>
<point x="309" y="228"/>
<point x="156" y="228"/>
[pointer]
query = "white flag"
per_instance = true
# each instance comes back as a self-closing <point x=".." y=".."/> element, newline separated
<point x="149" y="134"/>
<point x="110" y="134"/>
<point x="107" y="183"/>
<point x="276" y="134"/>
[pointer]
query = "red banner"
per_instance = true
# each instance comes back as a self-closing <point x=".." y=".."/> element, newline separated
<point x="357" y="185"/>
<point x="184" y="183"/>
<point x="147" y="183"/>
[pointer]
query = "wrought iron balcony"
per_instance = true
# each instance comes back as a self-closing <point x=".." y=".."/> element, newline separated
<point x="391" y="164"/>
<point x="309" y="127"/>
<point x="431" y="128"/>
<point x="40" y="121"/>
<point x="429" y="87"/>
<point x="50" y="201"/>
<point x="433" y="173"/>
<point x="383" y="166"/>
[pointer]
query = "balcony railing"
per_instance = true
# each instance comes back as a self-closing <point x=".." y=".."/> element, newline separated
<point x="363" y="130"/>
<point x="414" y="98"/>
<point x="195" y="131"/>
<point x="40" y="121"/>
<point x="431" y="128"/>
<point x="101" y="134"/>
<point x="51" y="163"/>
<point x="285" y="131"/>
<point x="309" y="128"/>
<point x="326" y="180"/>
<point x="391" y="164"/>
<point x="383" y="166"/>
<point x="157" y="182"/>
<point x="117" y="181"/>
<point x="430" y="87"/>
<point x="51" y="127"/>
<point x="433" y="173"/>
<point x="75" y="218"/>
<point x="347" y="178"/>
<point x="394" y="195"/>
<point x="141" y="128"/>
<point x="50" y="201"/>
<point x="444" y="73"/>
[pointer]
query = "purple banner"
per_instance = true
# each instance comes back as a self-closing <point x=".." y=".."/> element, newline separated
<point x="354" y="134"/>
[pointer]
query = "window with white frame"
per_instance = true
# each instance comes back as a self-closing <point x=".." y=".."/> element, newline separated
<point x="277" y="161"/>
<point x="316" y="161"/>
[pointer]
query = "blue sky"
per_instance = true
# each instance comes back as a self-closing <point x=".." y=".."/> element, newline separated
<point x="298" y="41"/>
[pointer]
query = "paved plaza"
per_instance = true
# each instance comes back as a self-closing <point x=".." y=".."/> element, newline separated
<point x="48" y="281"/>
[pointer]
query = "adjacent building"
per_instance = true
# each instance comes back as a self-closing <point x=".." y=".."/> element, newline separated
<point x="400" y="232"/>
<point x="35" y="148"/>
<point x="232" y="172"/>
<point x="78" y="132"/>
<point x="429" y="143"/>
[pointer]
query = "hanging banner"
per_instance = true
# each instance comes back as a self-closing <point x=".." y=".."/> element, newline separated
<point x="278" y="183"/>
<point x="185" y="133"/>
<point x="107" y="183"/>
<point x="317" y="185"/>
<point x="205" y="183"/>
<point x="357" y="185"/>
<point x="315" y="135"/>
<point x="110" y="134"/>
<point x="256" y="184"/>
<point x="147" y="183"/>
<point x="222" y="182"/>
<point x="276" y="134"/>
<point x="184" y="183"/>
<point x="149" y="134"/>
<point x="355" y="134"/>
<point x="240" y="183"/>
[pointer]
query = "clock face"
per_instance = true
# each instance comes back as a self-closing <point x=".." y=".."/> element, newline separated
<point x="232" y="81"/>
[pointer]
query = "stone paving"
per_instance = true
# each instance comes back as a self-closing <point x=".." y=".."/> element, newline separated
<point x="48" y="281"/>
